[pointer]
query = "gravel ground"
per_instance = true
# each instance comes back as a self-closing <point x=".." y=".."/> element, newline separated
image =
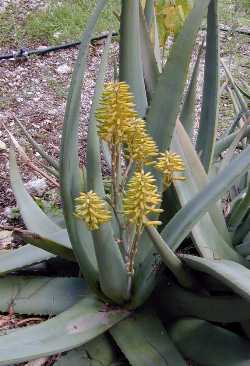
<point x="34" y="91"/>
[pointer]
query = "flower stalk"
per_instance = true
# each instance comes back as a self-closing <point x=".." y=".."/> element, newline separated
<point x="136" y="204"/>
<point x="140" y="201"/>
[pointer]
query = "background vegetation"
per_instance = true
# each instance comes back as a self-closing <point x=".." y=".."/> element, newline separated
<point x="60" y="21"/>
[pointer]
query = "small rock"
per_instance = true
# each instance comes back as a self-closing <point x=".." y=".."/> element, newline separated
<point x="19" y="100"/>
<point x="5" y="238"/>
<point x="2" y="146"/>
<point x="37" y="186"/>
<point x="63" y="69"/>
<point x="52" y="111"/>
<point x="3" y="5"/>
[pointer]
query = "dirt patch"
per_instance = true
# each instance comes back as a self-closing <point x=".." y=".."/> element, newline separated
<point x="34" y="91"/>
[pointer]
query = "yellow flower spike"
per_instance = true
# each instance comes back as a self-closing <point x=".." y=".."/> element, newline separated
<point x="140" y="146"/>
<point x="91" y="209"/>
<point x="115" y="113"/>
<point x="141" y="199"/>
<point x="168" y="163"/>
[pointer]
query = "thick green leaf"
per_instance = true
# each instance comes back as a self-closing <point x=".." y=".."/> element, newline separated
<point x="40" y="295"/>
<point x="172" y="262"/>
<point x="185" y="220"/>
<point x="150" y="68"/>
<point x="247" y="237"/>
<point x="208" y="344"/>
<point x="148" y="264"/>
<point x="168" y="93"/>
<point x="51" y="246"/>
<point x="34" y="218"/>
<point x="211" y="231"/>
<point x="94" y="176"/>
<point x="149" y="12"/>
<point x="76" y="357"/>
<point x="80" y="237"/>
<point x="231" y="274"/>
<point x="170" y="205"/>
<point x="98" y="352"/>
<point x="131" y="69"/>
<point x="209" y="110"/>
<point x="157" y="47"/>
<point x="187" y="115"/>
<point x="244" y="248"/>
<point x="225" y="142"/>
<point x="102" y="350"/>
<point x="72" y="328"/>
<point x="240" y="212"/>
<point x="45" y="233"/>
<point x="196" y="180"/>
<point x="144" y="341"/>
<point x="38" y="147"/>
<point x="13" y="260"/>
<point x="113" y="275"/>
<point x="242" y="231"/>
<point x="174" y="301"/>
<point x="147" y="274"/>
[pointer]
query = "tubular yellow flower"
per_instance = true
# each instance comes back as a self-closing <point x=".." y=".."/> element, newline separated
<point x="140" y="146"/>
<point x="116" y="110"/>
<point x="168" y="163"/>
<point x="91" y="209"/>
<point x="141" y="199"/>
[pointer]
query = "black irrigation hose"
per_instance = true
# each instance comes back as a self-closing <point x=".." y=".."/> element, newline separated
<point x="244" y="31"/>
<point x="226" y="28"/>
<point x="25" y="52"/>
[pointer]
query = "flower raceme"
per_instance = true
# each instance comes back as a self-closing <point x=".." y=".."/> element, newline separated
<point x="119" y="124"/>
<point x="116" y="111"/>
<point x="91" y="209"/>
<point x="141" y="148"/>
<point x="141" y="199"/>
<point x="168" y="163"/>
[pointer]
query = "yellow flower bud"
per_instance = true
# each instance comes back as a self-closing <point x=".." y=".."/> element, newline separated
<point x="168" y="163"/>
<point x="141" y="199"/>
<point x="91" y="209"/>
<point x="140" y="146"/>
<point x="115" y="113"/>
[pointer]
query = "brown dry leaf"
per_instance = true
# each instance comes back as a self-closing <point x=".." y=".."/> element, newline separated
<point x="5" y="238"/>
<point x="4" y="320"/>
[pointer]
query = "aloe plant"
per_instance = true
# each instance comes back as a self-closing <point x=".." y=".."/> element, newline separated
<point x="138" y="301"/>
